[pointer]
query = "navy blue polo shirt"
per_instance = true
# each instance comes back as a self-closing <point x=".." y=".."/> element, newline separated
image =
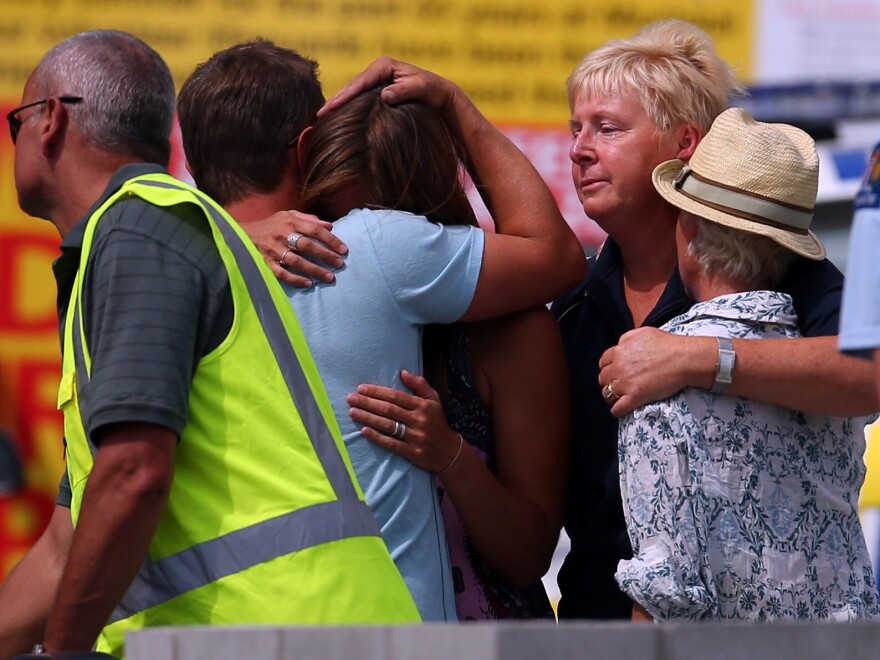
<point x="591" y="318"/>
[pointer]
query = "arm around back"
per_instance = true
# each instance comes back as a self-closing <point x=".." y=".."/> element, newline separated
<point x="807" y="373"/>
<point x="511" y="516"/>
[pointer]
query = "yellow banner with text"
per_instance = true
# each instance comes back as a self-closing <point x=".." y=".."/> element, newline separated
<point x="511" y="56"/>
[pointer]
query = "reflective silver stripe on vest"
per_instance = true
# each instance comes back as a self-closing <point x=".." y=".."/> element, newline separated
<point x="160" y="581"/>
<point x="82" y="377"/>
<point x="346" y="517"/>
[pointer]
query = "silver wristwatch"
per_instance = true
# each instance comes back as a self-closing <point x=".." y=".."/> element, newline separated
<point x="724" y="366"/>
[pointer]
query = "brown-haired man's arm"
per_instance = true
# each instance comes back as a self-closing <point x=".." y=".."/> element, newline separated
<point x="312" y="256"/>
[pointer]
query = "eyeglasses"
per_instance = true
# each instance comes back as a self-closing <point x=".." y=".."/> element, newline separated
<point x="15" y="121"/>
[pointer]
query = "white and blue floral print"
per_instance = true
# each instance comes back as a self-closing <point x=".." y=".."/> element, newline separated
<point x="738" y="509"/>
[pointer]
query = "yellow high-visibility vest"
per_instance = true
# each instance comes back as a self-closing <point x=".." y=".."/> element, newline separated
<point x="265" y="522"/>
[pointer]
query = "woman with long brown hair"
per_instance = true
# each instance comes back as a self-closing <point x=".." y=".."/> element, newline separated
<point x="391" y="174"/>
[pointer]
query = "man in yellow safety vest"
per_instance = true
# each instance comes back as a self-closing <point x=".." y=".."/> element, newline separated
<point x="206" y="482"/>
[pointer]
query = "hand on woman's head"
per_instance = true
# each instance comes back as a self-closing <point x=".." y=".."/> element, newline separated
<point x="404" y="82"/>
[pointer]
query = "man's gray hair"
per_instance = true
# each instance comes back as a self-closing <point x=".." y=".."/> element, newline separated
<point x="127" y="90"/>
<point x="755" y="260"/>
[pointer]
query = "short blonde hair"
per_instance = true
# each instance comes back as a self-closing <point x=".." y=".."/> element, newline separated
<point x="671" y="66"/>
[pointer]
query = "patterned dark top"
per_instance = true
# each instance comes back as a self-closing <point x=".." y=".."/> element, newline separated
<point x="480" y="593"/>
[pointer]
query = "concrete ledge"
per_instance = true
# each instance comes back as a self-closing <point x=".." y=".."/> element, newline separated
<point x="781" y="641"/>
<point x="512" y="641"/>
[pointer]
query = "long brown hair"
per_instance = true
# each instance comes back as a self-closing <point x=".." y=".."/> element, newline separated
<point x="401" y="157"/>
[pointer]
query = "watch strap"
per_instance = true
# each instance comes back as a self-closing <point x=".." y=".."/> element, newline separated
<point x="724" y="366"/>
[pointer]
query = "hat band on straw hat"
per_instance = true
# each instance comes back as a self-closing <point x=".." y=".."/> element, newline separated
<point x="742" y="204"/>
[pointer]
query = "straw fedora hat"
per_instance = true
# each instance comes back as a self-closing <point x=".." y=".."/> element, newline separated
<point x="748" y="175"/>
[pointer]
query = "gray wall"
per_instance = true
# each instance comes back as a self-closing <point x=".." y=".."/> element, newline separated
<point x="514" y="641"/>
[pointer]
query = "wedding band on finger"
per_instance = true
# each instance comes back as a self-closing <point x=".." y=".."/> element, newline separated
<point x="283" y="254"/>
<point x="609" y="394"/>
<point x="292" y="240"/>
<point x="399" y="430"/>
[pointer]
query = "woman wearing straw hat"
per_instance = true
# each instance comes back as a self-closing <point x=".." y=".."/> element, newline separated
<point x="738" y="509"/>
<point x="636" y="103"/>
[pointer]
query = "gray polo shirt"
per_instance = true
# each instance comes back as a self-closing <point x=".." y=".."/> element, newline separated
<point x="156" y="299"/>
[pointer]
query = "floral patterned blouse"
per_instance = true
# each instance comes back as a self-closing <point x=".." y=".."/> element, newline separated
<point x="738" y="509"/>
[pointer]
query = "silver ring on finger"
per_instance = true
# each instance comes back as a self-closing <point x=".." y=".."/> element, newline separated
<point x="292" y="240"/>
<point x="399" y="430"/>
<point x="283" y="255"/>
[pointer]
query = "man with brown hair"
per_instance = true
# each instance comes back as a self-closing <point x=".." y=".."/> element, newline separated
<point x="179" y="507"/>
<point x="241" y="114"/>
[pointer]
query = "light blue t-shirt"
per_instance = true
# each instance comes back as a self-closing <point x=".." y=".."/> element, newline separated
<point x="860" y="309"/>
<point x="400" y="273"/>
